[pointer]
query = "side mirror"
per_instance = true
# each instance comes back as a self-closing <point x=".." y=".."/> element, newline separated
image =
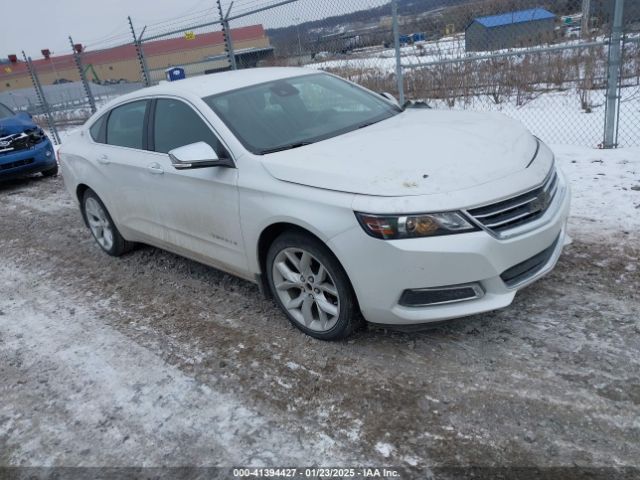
<point x="390" y="98"/>
<point x="197" y="155"/>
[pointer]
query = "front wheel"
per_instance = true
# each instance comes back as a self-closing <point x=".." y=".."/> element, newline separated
<point x="311" y="287"/>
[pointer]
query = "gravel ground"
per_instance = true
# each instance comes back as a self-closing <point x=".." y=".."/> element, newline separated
<point x="154" y="360"/>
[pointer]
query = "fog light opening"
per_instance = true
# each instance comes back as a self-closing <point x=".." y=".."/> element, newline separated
<point x="422" y="297"/>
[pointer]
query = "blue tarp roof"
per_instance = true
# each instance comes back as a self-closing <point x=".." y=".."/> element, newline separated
<point x="520" y="16"/>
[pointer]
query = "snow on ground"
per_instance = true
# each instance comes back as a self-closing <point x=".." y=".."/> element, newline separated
<point x="605" y="188"/>
<point x="122" y="396"/>
<point x="555" y="117"/>
<point x="445" y="48"/>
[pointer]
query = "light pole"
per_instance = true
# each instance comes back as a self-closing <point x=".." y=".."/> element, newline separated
<point x="586" y="13"/>
<point x="297" y="19"/>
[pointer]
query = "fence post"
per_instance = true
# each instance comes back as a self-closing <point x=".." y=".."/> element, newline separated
<point x="83" y="78"/>
<point x="586" y="17"/>
<point x="396" y="44"/>
<point x="42" y="99"/>
<point x="137" y="42"/>
<point x="613" y="77"/>
<point x="226" y="35"/>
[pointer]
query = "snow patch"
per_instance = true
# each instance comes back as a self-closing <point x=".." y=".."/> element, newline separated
<point x="384" y="449"/>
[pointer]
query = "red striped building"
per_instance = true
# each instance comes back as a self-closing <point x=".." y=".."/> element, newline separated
<point x="122" y="63"/>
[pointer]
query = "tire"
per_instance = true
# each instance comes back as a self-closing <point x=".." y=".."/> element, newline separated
<point x="324" y="305"/>
<point x="104" y="231"/>
<point x="51" y="172"/>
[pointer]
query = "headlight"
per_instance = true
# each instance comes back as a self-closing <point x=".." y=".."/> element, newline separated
<point x="391" y="227"/>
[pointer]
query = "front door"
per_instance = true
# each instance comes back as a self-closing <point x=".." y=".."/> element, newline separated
<point x="196" y="210"/>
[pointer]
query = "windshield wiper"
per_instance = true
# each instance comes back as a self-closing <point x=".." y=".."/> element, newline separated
<point x="364" y="125"/>
<point x="368" y="124"/>
<point x="288" y="146"/>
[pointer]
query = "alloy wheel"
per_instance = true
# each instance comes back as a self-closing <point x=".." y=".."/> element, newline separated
<point x="306" y="289"/>
<point x="99" y="223"/>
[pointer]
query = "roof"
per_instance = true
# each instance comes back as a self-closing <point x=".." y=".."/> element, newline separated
<point x="521" y="16"/>
<point x="206" y="85"/>
<point x="128" y="52"/>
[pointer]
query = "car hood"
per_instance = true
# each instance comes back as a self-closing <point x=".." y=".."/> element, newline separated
<point x="16" y="124"/>
<point x="418" y="152"/>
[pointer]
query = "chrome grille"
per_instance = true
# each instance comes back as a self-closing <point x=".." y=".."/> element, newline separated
<point x="519" y="210"/>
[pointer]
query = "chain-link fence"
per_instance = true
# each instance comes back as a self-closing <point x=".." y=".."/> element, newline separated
<point x="569" y="70"/>
<point x="352" y="39"/>
<point x="61" y="91"/>
<point x="628" y="124"/>
<point x="554" y="65"/>
<point x="538" y="63"/>
<point x="197" y="49"/>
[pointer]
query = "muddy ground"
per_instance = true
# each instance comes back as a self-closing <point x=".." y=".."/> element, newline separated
<point x="155" y="360"/>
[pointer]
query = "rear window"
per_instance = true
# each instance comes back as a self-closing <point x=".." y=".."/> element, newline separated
<point x="125" y="127"/>
<point x="96" y="131"/>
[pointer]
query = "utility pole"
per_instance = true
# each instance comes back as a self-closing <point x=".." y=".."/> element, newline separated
<point x="297" y="19"/>
<point x="613" y="77"/>
<point x="42" y="99"/>
<point x="226" y="35"/>
<point x="83" y="78"/>
<point x="137" y="42"/>
<point x="586" y="15"/>
<point x="396" y="43"/>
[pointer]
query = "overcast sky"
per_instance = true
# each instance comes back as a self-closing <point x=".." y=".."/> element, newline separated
<point x="48" y="24"/>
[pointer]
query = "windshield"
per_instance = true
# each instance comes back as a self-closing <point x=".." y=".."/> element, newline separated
<point x="297" y="111"/>
<point x="5" y="112"/>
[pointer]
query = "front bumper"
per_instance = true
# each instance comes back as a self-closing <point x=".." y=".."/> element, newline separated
<point x="381" y="271"/>
<point x="24" y="162"/>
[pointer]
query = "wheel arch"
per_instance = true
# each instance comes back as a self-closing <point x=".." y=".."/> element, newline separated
<point x="81" y="189"/>
<point x="267" y="237"/>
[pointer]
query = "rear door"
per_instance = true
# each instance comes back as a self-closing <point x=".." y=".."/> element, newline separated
<point x="125" y="161"/>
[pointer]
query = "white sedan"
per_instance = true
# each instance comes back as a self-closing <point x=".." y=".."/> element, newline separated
<point x="332" y="198"/>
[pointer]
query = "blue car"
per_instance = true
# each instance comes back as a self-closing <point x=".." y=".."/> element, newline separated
<point x="24" y="147"/>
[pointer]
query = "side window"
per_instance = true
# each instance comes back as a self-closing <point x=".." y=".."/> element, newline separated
<point x="96" y="131"/>
<point x="177" y="125"/>
<point x="125" y="127"/>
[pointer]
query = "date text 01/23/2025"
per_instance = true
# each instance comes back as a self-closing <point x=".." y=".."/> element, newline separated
<point x="316" y="472"/>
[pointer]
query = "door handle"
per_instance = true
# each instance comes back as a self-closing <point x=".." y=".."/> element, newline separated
<point x="104" y="160"/>
<point x="155" y="168"/>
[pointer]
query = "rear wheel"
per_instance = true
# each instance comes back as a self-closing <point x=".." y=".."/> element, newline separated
<point x="311" y="287"/>
<point x="102" y="227"/>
